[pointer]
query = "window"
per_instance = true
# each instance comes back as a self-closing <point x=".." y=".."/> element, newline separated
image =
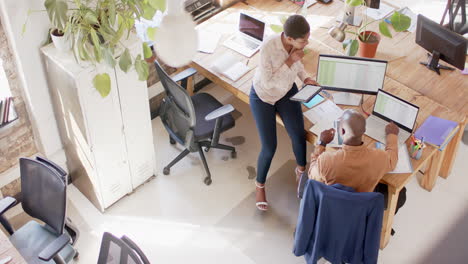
<point x="7" y="112"/>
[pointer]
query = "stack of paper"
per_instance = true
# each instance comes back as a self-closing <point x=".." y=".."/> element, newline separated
<point x="207" y="41"/>
<point x="380" y="13"/>
<point x="324" y="116"/>
<point x="404" y="162"/>
<point x="230" y="66"/>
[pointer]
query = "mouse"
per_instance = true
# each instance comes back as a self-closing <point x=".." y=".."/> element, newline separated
<point x="325" y="1"/>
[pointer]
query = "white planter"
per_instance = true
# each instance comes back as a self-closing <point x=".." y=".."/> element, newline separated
<point x="61" y="43"/>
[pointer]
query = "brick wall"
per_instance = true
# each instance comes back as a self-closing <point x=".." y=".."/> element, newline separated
<point x="16" y="139"/>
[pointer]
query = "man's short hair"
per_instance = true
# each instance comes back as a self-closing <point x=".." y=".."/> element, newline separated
<point x="296" y="26"/>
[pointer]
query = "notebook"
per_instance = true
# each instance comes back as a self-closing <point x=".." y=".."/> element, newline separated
<point x="436" y="131"/>
<point x="230" y="66"/>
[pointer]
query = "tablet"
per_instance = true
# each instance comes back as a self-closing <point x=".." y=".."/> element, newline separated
<point x="306" y="93"/>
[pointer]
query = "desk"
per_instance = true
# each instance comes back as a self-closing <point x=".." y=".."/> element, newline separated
<point x="269" y="10"/>
<point x="7" y="249"/>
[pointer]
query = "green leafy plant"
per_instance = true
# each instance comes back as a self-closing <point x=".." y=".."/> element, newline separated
<point x="97" y="30"/>
<point x="398" y="21"/>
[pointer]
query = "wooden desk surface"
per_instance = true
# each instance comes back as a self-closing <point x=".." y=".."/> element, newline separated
<point x="225" y="23"/>
<point x="7" y="249"/>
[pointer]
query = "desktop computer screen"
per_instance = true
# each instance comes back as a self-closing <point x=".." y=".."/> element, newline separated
<point x="441" y="43"/>
<point x="351" y="74"/>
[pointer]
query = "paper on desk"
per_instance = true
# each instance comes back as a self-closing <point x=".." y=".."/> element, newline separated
<point x="207" y="41"/>
<point x="406" y="11"/>
<point x="324" y="111"/>
<point x="379" y="13"/>
<point x="337" y="141"/>
<point x="404" y="161"/>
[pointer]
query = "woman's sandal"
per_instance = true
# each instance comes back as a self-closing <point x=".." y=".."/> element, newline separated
<point x="298" y="174"/>
<point x="258" y="204"/>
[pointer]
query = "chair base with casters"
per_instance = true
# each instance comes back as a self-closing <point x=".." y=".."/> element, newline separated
<point x="193" y="121"/>
<point x="213" y="118"/>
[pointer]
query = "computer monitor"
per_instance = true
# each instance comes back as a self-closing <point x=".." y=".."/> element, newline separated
<point x="351" y="74"/>
<point x="442" y="43"/>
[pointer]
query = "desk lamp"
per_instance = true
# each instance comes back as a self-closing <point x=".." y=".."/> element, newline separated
<point x="176" y="39"/>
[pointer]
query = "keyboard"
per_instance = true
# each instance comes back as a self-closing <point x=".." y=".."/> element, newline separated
<point x="375" y="128"/>
<point x="239" y="40"/>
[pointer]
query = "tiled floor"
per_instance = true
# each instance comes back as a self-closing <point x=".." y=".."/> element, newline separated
<point x="176" y="218"/>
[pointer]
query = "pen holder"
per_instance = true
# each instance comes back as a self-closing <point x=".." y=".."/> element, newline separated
<point x="416" y="152"/>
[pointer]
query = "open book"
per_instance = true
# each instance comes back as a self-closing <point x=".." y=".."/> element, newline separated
<point x="230" y="66"/>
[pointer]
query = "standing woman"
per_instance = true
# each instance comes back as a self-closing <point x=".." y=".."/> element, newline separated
<point x="273" y="85"/>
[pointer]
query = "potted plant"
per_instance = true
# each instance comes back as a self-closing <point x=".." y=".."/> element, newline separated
<point x="367" y="41"/>
<point x="96" y="30"/>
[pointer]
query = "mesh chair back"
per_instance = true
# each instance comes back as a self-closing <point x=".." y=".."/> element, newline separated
<point x="177" y="110"/>
<point x="44" y="193"/>
<point x="116" y="250"/>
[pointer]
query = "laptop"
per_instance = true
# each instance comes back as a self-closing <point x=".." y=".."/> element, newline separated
<point x="389" y="108"/>
<point x="248" y="39"/>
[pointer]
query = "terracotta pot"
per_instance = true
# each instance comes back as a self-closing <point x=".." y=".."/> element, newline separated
<point x="369" y="48"/>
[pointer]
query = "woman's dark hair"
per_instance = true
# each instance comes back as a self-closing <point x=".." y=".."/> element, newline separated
<point x="296" y="26"/>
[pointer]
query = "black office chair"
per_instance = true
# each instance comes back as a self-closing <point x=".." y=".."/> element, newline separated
<point x="120" y="250"/>
<point x="195" y="121"/>
<point x="44" y="197"/>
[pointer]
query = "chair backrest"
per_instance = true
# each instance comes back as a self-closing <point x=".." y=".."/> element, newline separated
<point x="44" y="193"/>
<point x="120" y="250"/>
<point x="177" y="110"/>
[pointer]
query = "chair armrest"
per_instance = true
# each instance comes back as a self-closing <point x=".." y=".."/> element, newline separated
<point x="6" y="203"/>
<point x="54" y="248"/>
<point x="134" y="246"/>
<point x="217" y="113"/>
<point x="184" y="74"/>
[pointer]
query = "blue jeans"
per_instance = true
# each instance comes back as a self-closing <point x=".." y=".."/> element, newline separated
<point x="265" y="119"/>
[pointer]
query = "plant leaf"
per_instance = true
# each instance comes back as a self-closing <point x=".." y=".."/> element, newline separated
<point x="276" y="28"/>
<point x="354" y="2"/>
<point x="108" y="57"/>
<point x="306" y="51"/>
<point x="96" y="44"/>
<point x="151" y="32"/>
<point x="346" y="43"/>
<point x="111" y="12"/>
<point x="147" y="52"/>
<point x="91" y="18"/>
<point x="125" y="61"/>
<point x="141" y="68"/>
<point x="283" y="19"/>
<point x="102" y="84"/>
<point x="148" y="12"/>
<point x="158" y="4"/>
<point x="383" y="27"/>
<point x="57" y="11"/>
<point x="400" y="22"/>
<point x="352" y="48"/>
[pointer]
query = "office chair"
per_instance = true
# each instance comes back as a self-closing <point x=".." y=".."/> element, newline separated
<point x="452" y="8"/>
<point x="195" y="122"/>
<point x="120" y="250"/>
<point x="44" y="197"/>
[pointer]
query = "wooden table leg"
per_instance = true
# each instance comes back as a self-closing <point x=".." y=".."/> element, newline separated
<point x="190" y="85"/>
<point x="432" y="171"/>
<point x="451" y="152"/>
<point x="388" y="216"/>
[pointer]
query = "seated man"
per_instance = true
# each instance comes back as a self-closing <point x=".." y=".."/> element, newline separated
<point x="355" y="165"/>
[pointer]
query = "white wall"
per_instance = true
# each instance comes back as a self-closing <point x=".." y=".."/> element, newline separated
<point x="26" y="50"/>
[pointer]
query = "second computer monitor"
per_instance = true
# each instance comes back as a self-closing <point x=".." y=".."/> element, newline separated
<point x="351" y="74"/>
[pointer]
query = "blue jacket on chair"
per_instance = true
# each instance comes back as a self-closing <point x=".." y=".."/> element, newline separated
<point x="338" y="224"/>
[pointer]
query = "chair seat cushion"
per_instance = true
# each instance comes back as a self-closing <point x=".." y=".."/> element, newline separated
<point x="205" y="104"/>
<point x="32" y="238"/>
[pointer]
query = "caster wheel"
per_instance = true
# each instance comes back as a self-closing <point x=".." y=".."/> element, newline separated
<point x="207" y="181"/>
<point x="172" y="141"/>
<point x="166" y="171"/>
<point x="233" y="154"/>
<point x="77" y="255"/>
<point x="206" y="149"/>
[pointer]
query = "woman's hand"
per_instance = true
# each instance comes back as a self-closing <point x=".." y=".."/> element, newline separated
<point x="296" y="55"/>
<point x="309" y="81"/>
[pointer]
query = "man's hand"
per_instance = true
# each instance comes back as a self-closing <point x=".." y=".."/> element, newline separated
<point x="327" y="135"/>
<point x="391" y="128"/>
<point x="296" y="55"/>
<point x="309" y="81"/>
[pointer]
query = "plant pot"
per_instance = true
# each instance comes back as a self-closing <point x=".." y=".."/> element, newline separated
<point x="61" y="41"/>
<point x="369" y="48"/>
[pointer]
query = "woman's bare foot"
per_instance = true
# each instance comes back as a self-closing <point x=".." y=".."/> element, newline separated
<point x="260" y="197"/>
